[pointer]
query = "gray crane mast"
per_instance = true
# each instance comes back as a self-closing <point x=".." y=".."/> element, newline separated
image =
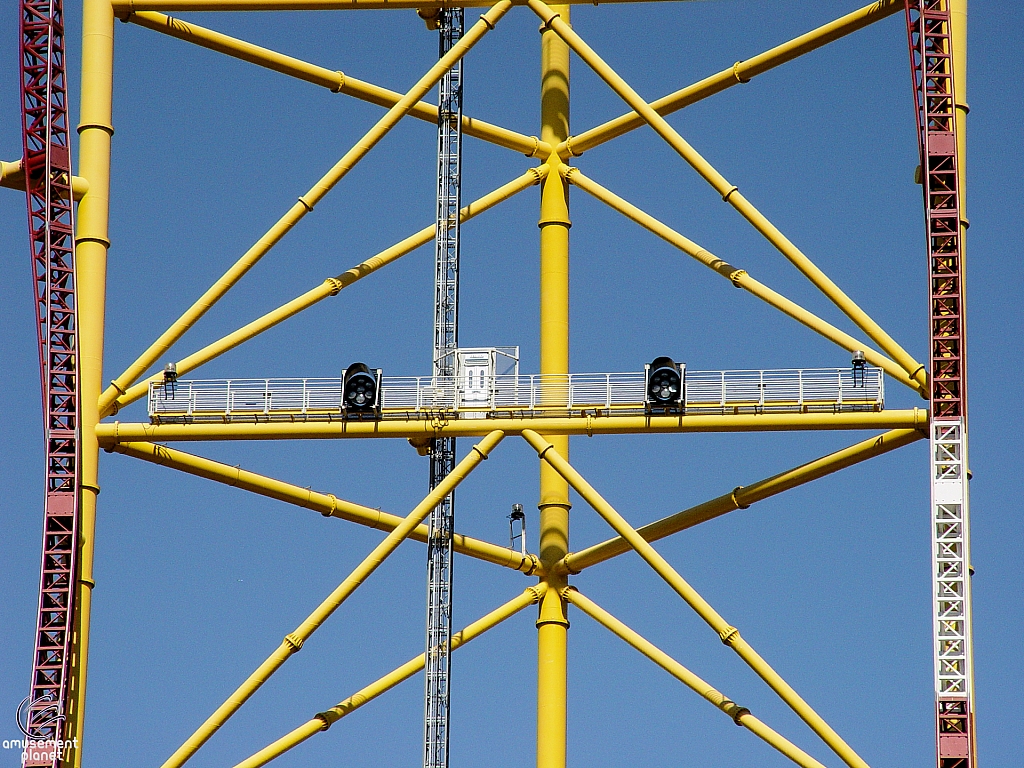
<point x="446" y="340"/>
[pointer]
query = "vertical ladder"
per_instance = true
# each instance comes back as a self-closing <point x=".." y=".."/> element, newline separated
<point x="47" y="167"/>
<point x="446" y="339"/>
<point x="931" y="52"/>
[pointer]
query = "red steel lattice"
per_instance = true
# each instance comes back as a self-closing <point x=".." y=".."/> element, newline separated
<point x="932" y="66"/>
<point x="47" y="165"/>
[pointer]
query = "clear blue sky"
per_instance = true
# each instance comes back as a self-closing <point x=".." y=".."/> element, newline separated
<point x="197" y="583"/>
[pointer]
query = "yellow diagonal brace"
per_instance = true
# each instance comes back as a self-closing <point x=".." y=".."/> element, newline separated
<point x="294" y="641"/>
<point x="329" y="287"/>
<point x="338" y="82"/>
<point x="730" y="193"/>
<point x="324" y="720"/>
<point x="126" y="6"/>
<point x="727" y="633"/>
<point x="304" y="205"/>
<point x="740" y="72"/>
<point x="12" y="176"/>
<point x="326" y="504"/>
<point x="739" y="277"/>
<point x="743" y="496"/>
<point x="740" y="715"/>
<point x="110" y="433"/>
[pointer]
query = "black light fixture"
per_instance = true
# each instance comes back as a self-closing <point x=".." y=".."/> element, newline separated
<point x="858" y="363"/>
<point x="359" y="389"/>
<point x="517" y="528"/>
<point x="170" y="378"/>
<point x="664" y="385"/>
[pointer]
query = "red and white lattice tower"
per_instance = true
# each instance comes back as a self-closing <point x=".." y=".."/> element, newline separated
<point x="929" y="25"/>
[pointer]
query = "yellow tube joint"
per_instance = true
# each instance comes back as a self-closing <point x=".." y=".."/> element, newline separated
<point x="730" y="635"/>
<point x="552" y="603"/>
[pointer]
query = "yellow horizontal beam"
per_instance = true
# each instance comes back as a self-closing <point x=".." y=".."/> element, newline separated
<point x="303" y="206"/>
<point x="330" y="287"/>
<point x="111" y="433"/>
<point x="731" y="194"/>
<point x="324" y="720"/>
<point x="740" y="715"/>
<point x="743" y="496"/>
<point x="12" y="176"/>
<point x="327" y="504"/>
<point x="740" y="277"/>
<point x="293" y="642"/>
<point x="338" y="82"/>
<point x="740" y="72"/>
<point x="726" y="633"/>
<point x="130" y="6"/>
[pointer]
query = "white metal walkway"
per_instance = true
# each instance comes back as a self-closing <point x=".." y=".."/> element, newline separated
<point x="791" y="390"/>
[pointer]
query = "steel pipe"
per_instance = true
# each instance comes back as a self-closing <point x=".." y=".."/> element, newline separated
<point x="727" y="633"/>
<point x="740" y="715"/>
<point x="330" y="287"/>
<point x="730" y="193"/>
<point x="335" y="81"/>
<point x="740" y="72"/>
<point x="129" y="6"/>
<point x="110" y="433"/>
<point x="324" y="720"/>
<point x="305" y="204"/>
<point x="553" y="502"/>
<point x="12" y="176"/>
<point x="743" y="496"/>
<point x="739" y="277"/>
<point x="293" y="642"/>
<point x="92" y="239"/>
<point x="327" y="504"/>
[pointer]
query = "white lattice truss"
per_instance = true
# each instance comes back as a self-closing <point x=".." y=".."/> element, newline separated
<point x="951" y="559"/>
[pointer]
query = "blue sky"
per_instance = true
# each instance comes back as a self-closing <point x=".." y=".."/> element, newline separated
<point x="197" y="583"/>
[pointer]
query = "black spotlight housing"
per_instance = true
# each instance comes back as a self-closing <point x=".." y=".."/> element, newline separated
<point x="665" y="385"/>
<point x="858" y="363"/>
<point x="359" y="389"/>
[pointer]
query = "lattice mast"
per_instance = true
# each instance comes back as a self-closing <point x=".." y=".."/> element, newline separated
<point x="446" y="339"/>
<point x="47" y="166"/>
<point x="931" y="50"/>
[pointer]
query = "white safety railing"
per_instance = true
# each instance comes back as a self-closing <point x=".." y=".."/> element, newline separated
<point x="420" y="396"/>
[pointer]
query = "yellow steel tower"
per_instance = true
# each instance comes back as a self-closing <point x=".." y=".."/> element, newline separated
<point x="544" y="410"/>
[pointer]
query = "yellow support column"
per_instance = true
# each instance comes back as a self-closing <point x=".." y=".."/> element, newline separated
<point x="552" y="624"/>
<point x="92" y="242"/>
<point x="958" y="30"/>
